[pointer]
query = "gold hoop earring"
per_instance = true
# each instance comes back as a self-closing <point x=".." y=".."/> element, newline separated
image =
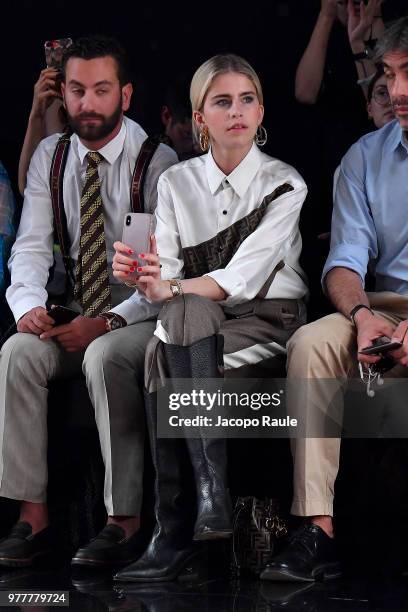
<point x="261" y="136"/>
<point x="204" y="139"/>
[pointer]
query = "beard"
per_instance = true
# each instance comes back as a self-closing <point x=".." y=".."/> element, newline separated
<point x="95" y="131"/>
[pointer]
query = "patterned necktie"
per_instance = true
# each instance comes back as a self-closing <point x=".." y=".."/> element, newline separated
<point x="92" y="288"/>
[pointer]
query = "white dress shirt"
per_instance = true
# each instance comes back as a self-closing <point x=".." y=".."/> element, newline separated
<point x="32" y="253"/>
<point x="197" y="201"/>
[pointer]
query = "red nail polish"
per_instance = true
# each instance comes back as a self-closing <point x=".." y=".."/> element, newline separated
<point x="132" y="269"/>
<point x="140" y="269"/>
<point x="135" y="263"/>
<point x="126" y="272"/>
<point x="141" y="255"/>
<point x="130" y="251"/>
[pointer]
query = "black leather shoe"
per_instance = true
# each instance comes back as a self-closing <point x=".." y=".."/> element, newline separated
<point x="109" y="548"/>
<point x="21" y="547"/>
<point x="168" y="565"/>
<point x="310" y="555"/>
<point x="170" y="549"/>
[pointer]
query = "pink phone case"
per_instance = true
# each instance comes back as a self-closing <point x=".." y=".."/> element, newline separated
<point x="137" y="229"/>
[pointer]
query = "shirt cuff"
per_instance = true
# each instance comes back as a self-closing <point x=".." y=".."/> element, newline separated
<point x="136" y="309"/>
<point x="21" y="308"/>
<point x="232" y="283"/>
<point x="351" y="256"/>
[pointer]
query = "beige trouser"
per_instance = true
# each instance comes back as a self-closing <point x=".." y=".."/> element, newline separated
<point x="326" y="349"/>
<point x="113" y="365"/>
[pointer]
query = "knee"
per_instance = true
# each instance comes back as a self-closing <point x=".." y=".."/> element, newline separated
<point x="301" y="340"/>
<point x="320" y="337"/>
<point x="203" y="317"/>
<point x="179" y="307"/>
<point x="111" y="355"/>
<point x="24" y="350"/>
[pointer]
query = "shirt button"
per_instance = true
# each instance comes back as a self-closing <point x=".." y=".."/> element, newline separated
<point x="225" y="212"/>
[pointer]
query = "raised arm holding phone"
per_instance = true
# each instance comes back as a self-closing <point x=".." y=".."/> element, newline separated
<point x="47" y="115"/>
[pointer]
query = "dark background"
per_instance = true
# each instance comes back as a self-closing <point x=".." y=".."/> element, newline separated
<point x="163" y="39"/>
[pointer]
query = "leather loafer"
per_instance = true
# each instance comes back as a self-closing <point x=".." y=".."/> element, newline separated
<point x="109" y="548"/>
<point x="310" y="555"/>
<point x="21" y="547"/>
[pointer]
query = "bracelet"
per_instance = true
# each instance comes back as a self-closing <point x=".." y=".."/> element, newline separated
<point x="355" y="310"/>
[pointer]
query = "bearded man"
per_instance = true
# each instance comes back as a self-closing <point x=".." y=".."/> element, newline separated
<point x="107" y="339"/>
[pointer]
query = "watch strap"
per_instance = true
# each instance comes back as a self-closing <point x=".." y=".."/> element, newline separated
<point x="113" y="321"/>
<point x="355" y="310"/>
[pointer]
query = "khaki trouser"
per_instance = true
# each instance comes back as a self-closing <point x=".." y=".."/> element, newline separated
<point x="113" y="365"/>
<point x="326" y="349"/>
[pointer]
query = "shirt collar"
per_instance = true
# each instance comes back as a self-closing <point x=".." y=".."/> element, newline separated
<point x="398" y="138"/>
<point x="110" y="151"/>
<point x="240" y="178"/>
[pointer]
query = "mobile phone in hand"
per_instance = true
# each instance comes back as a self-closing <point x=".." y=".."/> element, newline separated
<point x="137" y="229"/>
<point x="54" y="50"/>
<point x="62" y="314"/>
<point x="381" y="346"/>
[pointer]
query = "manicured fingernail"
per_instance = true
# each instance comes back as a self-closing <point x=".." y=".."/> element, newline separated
<point x="135" y="263"/>
<point x="140" y="269"/>
<point x="132" y="269"/>
<point x="141" y="255"/>
<point x="130" y="251"/>
<point x="126" y="272"/>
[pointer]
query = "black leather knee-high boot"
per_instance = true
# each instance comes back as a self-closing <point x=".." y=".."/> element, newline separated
<point x="170" y="550"/>
<point x="208" y="456"/>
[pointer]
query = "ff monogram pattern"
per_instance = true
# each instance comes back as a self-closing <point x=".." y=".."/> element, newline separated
<point x="217" y="252"/>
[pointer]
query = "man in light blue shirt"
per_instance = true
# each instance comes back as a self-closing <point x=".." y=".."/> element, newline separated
<point x="369" y="225"/>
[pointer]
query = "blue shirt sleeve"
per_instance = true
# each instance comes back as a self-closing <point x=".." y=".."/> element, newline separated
<point x="7" y="230"/>
<point x="353" y="235"/>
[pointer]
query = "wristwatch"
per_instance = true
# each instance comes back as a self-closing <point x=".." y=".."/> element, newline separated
<point x="355" y="310"/>
<point x="175" y="287"/>
<point x="113" y="321"/>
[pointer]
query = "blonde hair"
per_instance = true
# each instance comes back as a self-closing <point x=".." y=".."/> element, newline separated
<point x="207" y="72"/>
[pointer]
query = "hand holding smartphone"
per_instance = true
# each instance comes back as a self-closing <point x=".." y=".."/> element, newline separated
<point x="381" y="346"/>
<point x="62" y="314"/>
<point x="137" y="230"/>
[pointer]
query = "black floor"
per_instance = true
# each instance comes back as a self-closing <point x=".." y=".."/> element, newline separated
<point x="95" y="591"/>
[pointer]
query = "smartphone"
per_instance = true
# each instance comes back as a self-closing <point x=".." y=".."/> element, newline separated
<point x="62" y="314"/>
<point x="381" y="348"/>
<point x="54" y="50"/>
<point x="137" y="229"/>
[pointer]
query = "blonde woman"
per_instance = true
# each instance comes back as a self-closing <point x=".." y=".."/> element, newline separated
<point x="229" y="278"/>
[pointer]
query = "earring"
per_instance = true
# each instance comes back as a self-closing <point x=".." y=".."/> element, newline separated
<point x="204" y="139"/>
<point x="261" y="136"/>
